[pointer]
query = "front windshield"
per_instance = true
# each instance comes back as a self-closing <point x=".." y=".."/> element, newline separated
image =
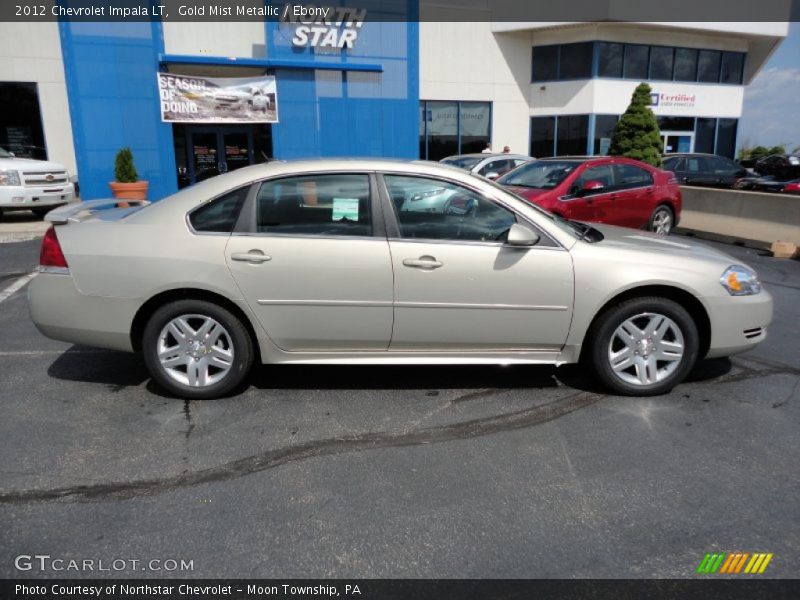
<point x="4" y="153"/>
<point x="542" y="174"/>
<point x="462" y="162"/>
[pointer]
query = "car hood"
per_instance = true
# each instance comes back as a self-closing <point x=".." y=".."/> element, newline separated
<point x="634" y="240"/>
<point x="29" y="164"/>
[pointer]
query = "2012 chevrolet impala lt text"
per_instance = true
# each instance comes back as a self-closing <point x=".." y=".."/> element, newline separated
<point x="383" y="262"/>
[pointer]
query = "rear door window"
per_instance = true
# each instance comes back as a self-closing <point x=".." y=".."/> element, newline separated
<point x="630" y="176"/>
<point x="336" y="204"/>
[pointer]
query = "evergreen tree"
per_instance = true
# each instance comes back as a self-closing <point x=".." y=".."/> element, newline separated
<point x="636" y="134"/>
<point x="124" y="169"/>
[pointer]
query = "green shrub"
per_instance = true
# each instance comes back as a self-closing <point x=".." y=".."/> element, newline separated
<point x="124" y="169"/>
<point x="636" y="134"/>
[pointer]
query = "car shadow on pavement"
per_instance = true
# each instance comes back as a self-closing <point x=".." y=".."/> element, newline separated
<point x="709" y="368"/>
<point x="108" y="367"/>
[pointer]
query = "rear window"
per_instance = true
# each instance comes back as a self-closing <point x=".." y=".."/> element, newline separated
<point x="219" y="215"/>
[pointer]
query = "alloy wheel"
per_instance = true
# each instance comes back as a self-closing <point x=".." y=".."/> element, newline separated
<point x="662" y="221"/>
<point x="646" y="349"/>
<point x="195" y="350"/>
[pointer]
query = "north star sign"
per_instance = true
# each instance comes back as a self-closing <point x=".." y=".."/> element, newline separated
<point x="325" y="26"/>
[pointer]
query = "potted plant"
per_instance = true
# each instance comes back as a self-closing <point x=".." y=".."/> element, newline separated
<point x="127" y="184"/>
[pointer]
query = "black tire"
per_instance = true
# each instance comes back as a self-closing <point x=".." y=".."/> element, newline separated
<point x="661" y="211"/>
<point x="242" y="346"/>
<point x="41" y="212"/>
<point x="599" y="340"/>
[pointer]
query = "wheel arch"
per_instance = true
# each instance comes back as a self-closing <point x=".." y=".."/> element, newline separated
<point x="686" y="299"/>
<point x="150" y="306"/>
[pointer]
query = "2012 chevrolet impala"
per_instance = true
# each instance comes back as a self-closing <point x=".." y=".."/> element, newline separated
<point x="383" y="262"/>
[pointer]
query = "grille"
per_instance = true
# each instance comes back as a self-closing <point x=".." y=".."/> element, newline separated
<point x="44" y="178"/>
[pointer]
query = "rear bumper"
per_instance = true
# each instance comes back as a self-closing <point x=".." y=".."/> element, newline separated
<point x="21" y="198"/>
<point x="738" y="324"/>
<point x="61" y="312"/>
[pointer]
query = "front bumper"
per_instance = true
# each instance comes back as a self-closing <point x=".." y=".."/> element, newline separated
<point x="61" y="312"/>
<point x="24" y="197"/>
<point x="738" y="323"/>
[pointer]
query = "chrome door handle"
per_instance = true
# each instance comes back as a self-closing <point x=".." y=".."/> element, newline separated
<point x="252" y="256"/>
<point x="423" y="262"/>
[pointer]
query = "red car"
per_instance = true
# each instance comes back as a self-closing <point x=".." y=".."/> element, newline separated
<point x="611" y="190"/>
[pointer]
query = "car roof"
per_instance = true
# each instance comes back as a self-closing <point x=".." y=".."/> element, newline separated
<point x="486" y="155"/>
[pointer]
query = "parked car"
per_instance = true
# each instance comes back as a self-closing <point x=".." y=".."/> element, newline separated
<point x="485" y="164"/>
<point x="771" y="184"/>
<point x="780" y="166"/>
<point x="704" y="169"/>
<point x="612" y="190"/>
<point x="329" y="261"/>
<point x="28" y="184"/>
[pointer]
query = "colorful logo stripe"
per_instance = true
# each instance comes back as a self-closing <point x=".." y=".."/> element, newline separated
<point x="734" y="563"/>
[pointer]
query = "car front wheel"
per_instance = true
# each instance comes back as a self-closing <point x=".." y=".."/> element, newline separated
<point x="196" y="349"/>
<point x="644" y="346"/>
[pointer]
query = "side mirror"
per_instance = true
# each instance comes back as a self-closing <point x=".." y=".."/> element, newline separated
<point x="492" y="175"/>
<point x="12" y="155"/>
<point x="591" y="186"/>
<point x="521" y="236"/>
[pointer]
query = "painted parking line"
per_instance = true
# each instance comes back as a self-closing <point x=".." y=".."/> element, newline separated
<point x="16" y="285"/>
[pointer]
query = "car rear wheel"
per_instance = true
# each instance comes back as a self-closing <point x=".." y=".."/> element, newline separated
<point x="41" y="212"/>
<point x="644" y="346"/>
<point x="662" y="220"/>
<point x="196" y="349"/>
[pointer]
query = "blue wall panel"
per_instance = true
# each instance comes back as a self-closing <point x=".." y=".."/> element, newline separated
<point x="335" y="113"/>
<point x="113" y="98"/>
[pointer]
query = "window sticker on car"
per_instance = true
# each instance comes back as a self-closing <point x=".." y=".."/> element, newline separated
<point x="345" y="209"/>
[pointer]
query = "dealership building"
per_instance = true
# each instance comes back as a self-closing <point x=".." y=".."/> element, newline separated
<point x="77" y="92"/>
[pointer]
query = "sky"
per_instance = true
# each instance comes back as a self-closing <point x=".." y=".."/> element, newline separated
<point x="771" y="112"/>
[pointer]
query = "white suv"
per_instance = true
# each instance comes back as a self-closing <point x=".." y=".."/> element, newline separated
<point x="37" y="185"/>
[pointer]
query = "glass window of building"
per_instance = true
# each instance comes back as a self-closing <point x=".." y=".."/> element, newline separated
<point x="543" y="131"/>
<point x="545" y="63"/>
<point x="704" y="135"/>
<point x="685" y="64"/>
<point x="609" y="59"/>
<point x="576" y="61"/>
<point x="661" y="60"/>
<point x="21" y="121"/>
<point x="726" y="137"/>
<point x="675" y="123"/>
<point x="572" y="135"/>
<point x="636" y="61"/>
<point x="708" y="66"/>
<point x="474" y="118"/>
<point x="732" y="65"/>
<point x="603" y="131"/>
<point x="450" y="128"/>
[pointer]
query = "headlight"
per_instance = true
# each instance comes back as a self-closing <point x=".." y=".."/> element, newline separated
<point x="9" y="177"/>
<point x="740" y="281"/>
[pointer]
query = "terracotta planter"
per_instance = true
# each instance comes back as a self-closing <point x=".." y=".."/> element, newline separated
<point x="129" y="191"/>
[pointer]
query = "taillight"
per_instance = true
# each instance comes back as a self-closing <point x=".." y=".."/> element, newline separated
<point x="51" y="254"/>
<point x="792" y="187"/>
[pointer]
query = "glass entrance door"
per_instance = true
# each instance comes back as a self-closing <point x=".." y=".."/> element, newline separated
<point x="677" y="141"/>
<point x="218" y="149"/>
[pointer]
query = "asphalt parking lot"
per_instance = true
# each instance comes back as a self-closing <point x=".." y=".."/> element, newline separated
<point x="487" y="472"/>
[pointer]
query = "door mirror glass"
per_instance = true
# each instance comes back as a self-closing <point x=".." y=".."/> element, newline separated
<point x="520" y="235"/>
<point x="592" y="186"/>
